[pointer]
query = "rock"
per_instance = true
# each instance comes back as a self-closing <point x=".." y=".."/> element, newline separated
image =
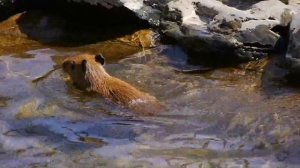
<point x="34" y="30"/>
<point x="216" y="31"/>
<point x="144" y="38"/>
<point x="293" y="53"/>
<point x="221" y="33"/>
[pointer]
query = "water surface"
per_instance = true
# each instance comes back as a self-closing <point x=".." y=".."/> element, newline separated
<point x="228" y="117"/>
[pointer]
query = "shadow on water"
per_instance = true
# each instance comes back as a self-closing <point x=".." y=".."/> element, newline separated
<point x="275" y="78"/>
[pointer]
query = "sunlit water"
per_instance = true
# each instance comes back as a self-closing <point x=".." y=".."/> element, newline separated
<point x="218" y="118"/>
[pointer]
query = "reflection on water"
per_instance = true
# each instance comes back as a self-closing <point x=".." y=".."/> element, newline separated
<point x="217" y="118"/>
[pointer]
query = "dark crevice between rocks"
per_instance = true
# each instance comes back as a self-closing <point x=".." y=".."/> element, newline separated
<point x="157" y="4"/>
<point x="244" y="4"/>
<point x="281" y="48"/>
<point x="293" y="79"/>
<point x="279" y="70"/>
<point x="174" y="15"/>
<point x="240" y="4"/>
<point x="214" y="59"/>
<point x="212" y="56"/>
<point x="64" y="23"/>
<point x="282" y="44"/>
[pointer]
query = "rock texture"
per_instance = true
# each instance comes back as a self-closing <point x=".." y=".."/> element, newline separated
<point x="210" y="30"/>
<point x="293" y="53"/>
<point x="216" y="31"/>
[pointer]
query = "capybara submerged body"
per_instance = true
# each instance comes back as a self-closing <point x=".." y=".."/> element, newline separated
<point x="87" y="72"/>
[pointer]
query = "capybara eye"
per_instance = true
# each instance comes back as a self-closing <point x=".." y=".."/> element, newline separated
<point x="72" y="67"/>
<point x="83" y="65"/>
<point x="99" y="58"/>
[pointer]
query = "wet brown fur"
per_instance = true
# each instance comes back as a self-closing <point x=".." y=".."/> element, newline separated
<point x="94" y="78"/>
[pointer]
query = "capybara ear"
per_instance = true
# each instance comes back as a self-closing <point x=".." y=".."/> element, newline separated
<point x="83" y="65"/>
<point x="99" y="58"/>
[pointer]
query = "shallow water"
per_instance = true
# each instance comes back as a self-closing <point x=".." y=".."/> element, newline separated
<point x="220" y="118"/>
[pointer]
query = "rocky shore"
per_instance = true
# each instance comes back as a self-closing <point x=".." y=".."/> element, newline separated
<point x="212" y="32"/>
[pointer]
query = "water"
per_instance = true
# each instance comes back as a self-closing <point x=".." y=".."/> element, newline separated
<point x="227" y="117"/>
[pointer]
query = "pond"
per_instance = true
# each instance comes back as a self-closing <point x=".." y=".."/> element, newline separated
<point x="227" y="117"/>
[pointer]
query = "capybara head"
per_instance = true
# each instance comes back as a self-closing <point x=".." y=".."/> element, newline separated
<point x="84" y="69"/>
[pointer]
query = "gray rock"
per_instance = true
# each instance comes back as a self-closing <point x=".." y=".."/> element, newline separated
<point x="293" y="53"/>
<point x="215" y="30"/>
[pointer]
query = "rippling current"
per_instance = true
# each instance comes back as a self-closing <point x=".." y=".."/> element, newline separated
<point x="229" y="117"/>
